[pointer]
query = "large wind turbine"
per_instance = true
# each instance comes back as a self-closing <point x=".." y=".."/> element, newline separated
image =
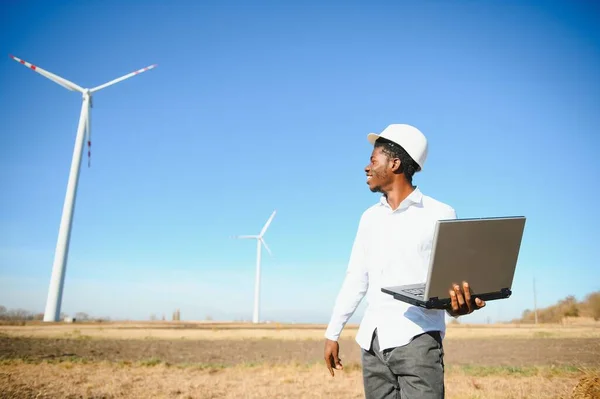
<point x="53" y="303"/>
<point x="259" y="240"/>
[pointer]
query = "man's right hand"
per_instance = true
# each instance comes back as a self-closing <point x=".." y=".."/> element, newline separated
<point x="332" y="349"/>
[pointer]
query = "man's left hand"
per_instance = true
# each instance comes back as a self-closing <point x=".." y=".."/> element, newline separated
<point x="461" y="301"/>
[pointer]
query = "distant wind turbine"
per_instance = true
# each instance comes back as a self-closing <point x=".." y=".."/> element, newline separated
<point x="259" y="240"/>
<point x="53" y="303"/>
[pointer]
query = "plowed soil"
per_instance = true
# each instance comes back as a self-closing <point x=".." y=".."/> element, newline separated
<point x="515" y="352"/>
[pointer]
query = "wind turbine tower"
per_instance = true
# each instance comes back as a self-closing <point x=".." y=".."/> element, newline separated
<point x="55" y="291"/>
<point x="259" y="242"/>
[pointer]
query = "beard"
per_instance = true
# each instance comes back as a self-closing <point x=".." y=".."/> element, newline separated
<point x="375" y="189"/>
<point x="379" y="178"/>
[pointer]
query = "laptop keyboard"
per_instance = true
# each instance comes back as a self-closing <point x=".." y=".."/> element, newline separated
<point x="420" y="291"/>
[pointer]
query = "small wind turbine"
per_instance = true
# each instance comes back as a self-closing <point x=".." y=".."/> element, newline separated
<point x="259" y="240"/>
<point x="57" y="280"/>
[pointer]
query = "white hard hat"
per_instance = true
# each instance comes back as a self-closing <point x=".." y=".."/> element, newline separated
<point x="408" y="137"/>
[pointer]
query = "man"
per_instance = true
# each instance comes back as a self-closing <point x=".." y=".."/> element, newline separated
<point x="401" y="344"/>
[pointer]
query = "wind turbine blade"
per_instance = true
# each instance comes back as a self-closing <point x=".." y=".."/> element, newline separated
<point x="245" y="237"/>
<point x="112" y="82"/>
<point x="55" y="78"/>
<point x="266" y="246"/>
<point x="264" y="229"/>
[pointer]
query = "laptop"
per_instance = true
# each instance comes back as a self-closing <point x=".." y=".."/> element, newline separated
<point x="482" y="251"/>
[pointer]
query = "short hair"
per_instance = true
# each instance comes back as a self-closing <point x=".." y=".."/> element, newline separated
<point x="408" y="166"/>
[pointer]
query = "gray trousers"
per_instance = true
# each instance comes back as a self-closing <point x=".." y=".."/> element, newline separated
<point x="413" y="371"/>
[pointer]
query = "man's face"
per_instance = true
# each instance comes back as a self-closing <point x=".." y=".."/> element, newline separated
<point x="379" y="170"/>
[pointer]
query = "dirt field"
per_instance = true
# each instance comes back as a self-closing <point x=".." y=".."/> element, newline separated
<point x="222" y="361"/>
<point x="582" y="352"/>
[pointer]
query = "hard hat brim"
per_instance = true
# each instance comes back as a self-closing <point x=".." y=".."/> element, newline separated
<point x="372" y="137"/>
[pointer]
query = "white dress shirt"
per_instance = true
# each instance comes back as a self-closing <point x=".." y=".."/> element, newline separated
<point x="392" y="247"/>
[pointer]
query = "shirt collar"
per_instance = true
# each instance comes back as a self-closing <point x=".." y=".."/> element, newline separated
<point x="414" y="198"/>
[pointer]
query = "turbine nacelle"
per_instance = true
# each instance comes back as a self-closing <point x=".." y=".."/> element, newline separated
<point x="87" y="94"/>
<point x="260" y="236"/>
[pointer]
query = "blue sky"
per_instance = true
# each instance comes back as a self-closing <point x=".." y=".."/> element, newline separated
<point x="267" y="106"/>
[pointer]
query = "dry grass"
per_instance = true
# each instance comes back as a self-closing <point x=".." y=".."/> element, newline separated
<point x="588" y="387"/>
<point x="158" y="380"/>
<point x="170" y="331"/>
<point x="233" y="331"/>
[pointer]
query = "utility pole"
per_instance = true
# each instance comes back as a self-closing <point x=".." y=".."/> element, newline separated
<point x="534" y="302"/>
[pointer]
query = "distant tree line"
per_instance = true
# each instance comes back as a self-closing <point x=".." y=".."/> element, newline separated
<point x="567" y="307"/>
<point x="25" y="315"/>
